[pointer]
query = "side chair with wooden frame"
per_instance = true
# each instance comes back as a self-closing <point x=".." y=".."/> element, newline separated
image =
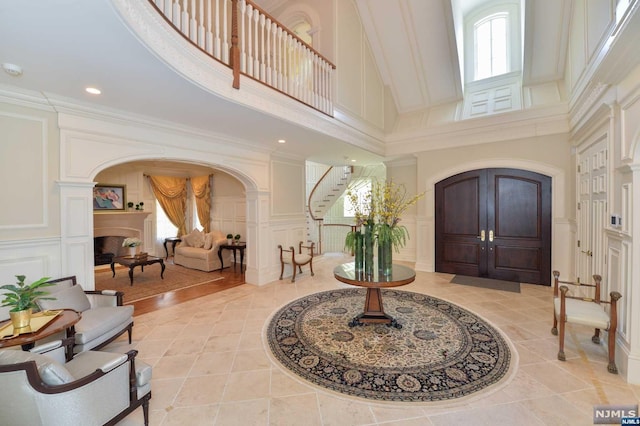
<point x="296" y="260"/>
<point x="586" y="311"/>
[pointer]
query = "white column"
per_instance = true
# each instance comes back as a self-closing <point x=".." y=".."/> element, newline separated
<point x="76" y="231"/>
<point x="258" y="230"/>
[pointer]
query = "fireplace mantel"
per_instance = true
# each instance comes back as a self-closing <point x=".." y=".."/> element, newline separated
<point x="126" y="224"/>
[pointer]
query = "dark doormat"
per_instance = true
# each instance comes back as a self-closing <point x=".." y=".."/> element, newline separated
<point x="487" y="283"/>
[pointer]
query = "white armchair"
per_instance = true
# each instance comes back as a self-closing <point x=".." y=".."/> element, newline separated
<point x="103" y="320"/>
<point x="94" y="388"/>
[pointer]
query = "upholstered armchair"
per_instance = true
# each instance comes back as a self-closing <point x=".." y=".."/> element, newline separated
<point x="103" y="320"/>
<point x="94" y="388"/>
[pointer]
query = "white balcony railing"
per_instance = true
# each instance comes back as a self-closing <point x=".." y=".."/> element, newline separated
<point x="242" y="36"/>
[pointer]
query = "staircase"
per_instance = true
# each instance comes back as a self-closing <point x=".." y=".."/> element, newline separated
<point x="328" y="189"/>
<point x="323" y="196"/>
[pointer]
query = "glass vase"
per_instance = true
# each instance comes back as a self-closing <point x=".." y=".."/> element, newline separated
<point x="359" y="251"/>
<point x="385" y="257"/>
<point x="368" y="249"/>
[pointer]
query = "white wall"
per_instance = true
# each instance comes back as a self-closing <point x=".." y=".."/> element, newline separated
<point x="30" y="213"/>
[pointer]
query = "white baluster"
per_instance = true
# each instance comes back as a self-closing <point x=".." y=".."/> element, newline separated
<point x="193" y="24"/>
<point x="209" y="36"/>
<point x="256" y="56"/>
<point x="175" y="14"/>
<point x="268" y="78"/>
<point x="280" y="58"/>
<point x="243" y="51"/>
<point x="168" y="9"/>
<point x="184" y="18"/>
<point x="225" y="32"/>
<point x="249" y="39"/>
<point x="200" y="21"/>
<point x="216" y="31"/>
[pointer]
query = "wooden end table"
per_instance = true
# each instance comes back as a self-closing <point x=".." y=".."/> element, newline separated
<point x="174" y="241"/>
<point x="235" y="247"/>
<point x="65" y="320"/>
<point x="132" y="262"/>
<point x="373" y="309"/>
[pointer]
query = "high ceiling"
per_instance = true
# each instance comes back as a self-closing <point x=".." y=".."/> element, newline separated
<point x="65" y="45"/>
<point x="416" y="47"/>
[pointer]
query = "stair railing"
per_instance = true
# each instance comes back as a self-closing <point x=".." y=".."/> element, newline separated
<point x="242" y="36"/>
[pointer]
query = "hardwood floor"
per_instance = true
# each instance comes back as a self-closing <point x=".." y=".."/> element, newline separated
<point x="231" y="279"/>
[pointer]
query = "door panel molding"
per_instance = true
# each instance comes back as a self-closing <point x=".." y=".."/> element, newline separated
<point x="513" y="208"/>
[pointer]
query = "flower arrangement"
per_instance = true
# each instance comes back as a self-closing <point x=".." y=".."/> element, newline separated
<point x="389" y="201"/>
<point x="381" y="208"/>
<point x="131" y="242"/>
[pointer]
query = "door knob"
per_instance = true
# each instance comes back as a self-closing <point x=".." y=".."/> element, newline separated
<point x="481" y="236"/>
<point x="588" y="252"/>
<point x="491" y="235"/>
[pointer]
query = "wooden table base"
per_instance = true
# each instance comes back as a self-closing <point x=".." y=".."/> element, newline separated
<point x="374" y="311"/>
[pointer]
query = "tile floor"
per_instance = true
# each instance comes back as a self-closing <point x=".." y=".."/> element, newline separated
<point x="210" y="366"/>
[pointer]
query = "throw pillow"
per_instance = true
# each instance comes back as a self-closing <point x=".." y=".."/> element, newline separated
<point x="70" y="298"/>
<point x="195" y="238"/>
<point x="208" y="241"/>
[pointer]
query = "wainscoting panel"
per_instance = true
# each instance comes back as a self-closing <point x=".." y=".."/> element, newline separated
<point x="34" y="258"/>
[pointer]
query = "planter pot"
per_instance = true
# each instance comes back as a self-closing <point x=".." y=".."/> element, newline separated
<point x="229" y="241"/>
<point x="133" y="251"/>
<point x="20" y="319"/>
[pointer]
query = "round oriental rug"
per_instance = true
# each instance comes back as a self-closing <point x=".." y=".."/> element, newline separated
<point x="442" y="352"/>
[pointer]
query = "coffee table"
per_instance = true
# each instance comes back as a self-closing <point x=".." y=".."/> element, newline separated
<point x="132" y="262"/>
<point x="65" y="320"/>
<point x="373" y="309"/>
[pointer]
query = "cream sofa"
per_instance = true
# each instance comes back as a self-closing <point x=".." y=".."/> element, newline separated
<point x="198" y="250"/>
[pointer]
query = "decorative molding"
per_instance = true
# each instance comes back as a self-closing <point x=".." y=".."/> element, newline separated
<point x="43" y="169"/>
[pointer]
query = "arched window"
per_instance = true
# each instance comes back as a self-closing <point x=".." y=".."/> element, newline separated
<point x="492" y="41"/>
<point x="490" y="46"/>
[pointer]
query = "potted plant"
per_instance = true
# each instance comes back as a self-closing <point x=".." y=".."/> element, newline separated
<point x="22" y="299"/>
<point x="229" y="239"/>
<point x="236" y="238"/>
<point x="132" y="243"/>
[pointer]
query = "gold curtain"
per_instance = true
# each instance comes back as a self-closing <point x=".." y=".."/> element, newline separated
<point x="171" y="193"/>
<point x="202" y="192"/>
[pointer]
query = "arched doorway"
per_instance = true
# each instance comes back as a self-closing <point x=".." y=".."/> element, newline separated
<point x="494" y="223"/>
<point x="228" y="214"/>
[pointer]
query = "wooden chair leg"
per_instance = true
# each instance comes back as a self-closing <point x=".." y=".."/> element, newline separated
<point x="554" y="329"/>
<point x="293" y="278"/>
<point x="561" y="355"/>
<point x="311" y="266"/>
<point x="596" y="336"/>
<point x="129" y="331"/>
<point x="281" y="269"/>
<point x="611" y="367"/>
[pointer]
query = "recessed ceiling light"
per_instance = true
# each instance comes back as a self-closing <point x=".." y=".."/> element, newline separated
<point x="353" y="161"/>
<point x="12" y="69"/>
<point x="93" y="90"/>
<point x="281" y="141"/>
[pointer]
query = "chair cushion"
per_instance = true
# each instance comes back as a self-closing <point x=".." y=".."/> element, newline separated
<point x="51" y="372"/>
<point x="98" y="321"/>
<point x="193" y="252"/>
<point x="583" y="312"/>
<point x="69" y="298"/>
<point x="301" y="259"/>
